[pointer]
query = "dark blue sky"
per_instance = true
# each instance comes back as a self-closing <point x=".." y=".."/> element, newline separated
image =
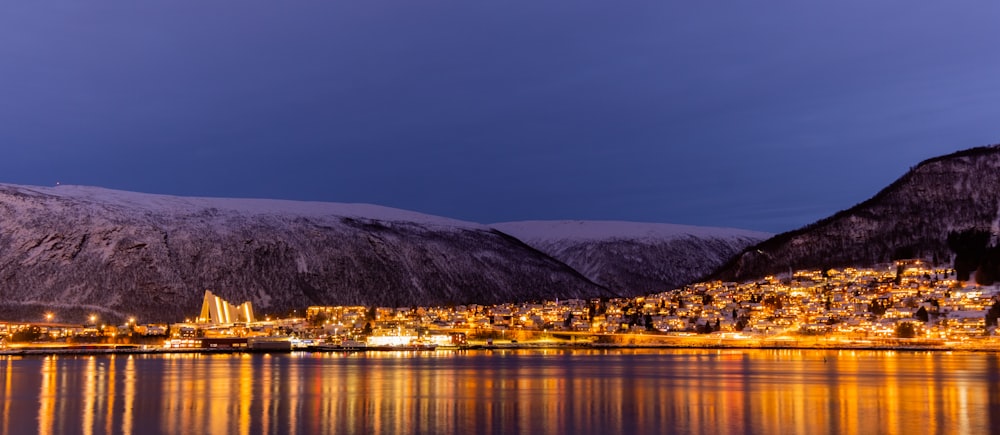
<point x="759" y="115"/>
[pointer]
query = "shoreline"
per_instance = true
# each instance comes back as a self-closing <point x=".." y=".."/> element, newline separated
<point x="974" y="346"/>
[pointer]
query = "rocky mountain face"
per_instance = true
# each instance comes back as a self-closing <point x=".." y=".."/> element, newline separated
<point x="944" y="209"/>
<point x="634" y="258"/>
<point x="76" y="250"/>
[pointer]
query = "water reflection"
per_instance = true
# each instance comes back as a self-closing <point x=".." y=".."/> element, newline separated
<point x="505" y="392"/>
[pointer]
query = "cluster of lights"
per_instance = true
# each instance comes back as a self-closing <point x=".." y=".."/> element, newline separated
<point x="49" y="316"/>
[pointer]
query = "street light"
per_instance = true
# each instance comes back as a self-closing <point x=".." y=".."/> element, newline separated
<point x="93" y="319"/>
<point x="48" y="317"/>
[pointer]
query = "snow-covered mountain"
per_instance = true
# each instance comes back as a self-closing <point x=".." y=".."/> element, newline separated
<point x="944" y="210"/>
<point x="634" y="258"/>
<point x="74" y="250"/>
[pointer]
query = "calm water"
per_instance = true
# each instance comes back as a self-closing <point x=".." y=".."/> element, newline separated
<point x="530" y="392"/>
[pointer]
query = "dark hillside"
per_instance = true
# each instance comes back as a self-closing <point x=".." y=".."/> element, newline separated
<point x="911" y="218"/>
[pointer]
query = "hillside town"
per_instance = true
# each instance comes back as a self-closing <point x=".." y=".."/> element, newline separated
<point x="905" y="304"/>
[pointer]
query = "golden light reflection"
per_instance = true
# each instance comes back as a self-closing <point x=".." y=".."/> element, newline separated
<point x="205" y="400"/>
<point x="129" y="393"/>
<point x="246" y="380"/>
<point x="46" y="403"/>
<point x="267" y="381"/>
<point x="89" y="395"/>
<point x="623" y="391"/>
<point x="109" y="393"/>
<point x="8" y="376"/>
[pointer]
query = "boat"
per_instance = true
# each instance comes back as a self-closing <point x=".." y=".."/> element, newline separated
<point x="343" y="346"/>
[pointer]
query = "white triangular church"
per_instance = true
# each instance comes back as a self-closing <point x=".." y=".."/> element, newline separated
<point x="216" y="310"/>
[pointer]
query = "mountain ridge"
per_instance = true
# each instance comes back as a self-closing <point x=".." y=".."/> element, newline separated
<point x="634" y="258"/>
<point x="913" y="216"/>
<point x="124" y="253"/>
<point x="89" y="249"/>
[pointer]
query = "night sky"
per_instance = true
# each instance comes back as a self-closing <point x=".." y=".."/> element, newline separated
<point x="757" y="115"/>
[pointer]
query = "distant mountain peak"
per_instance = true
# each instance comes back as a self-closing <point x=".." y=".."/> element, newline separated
<point x="634" y="258"/>
<point x="616" y="230"/>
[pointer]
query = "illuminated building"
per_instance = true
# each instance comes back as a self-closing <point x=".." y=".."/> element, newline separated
<point x="216" y="310"/>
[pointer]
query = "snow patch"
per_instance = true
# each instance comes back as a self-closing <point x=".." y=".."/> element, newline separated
<point x="301" y="265"/>
<point x="175" y="204"/>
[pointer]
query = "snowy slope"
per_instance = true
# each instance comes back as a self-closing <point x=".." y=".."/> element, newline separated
<point x="74" y="249"/>
<point x="151" y="203"/>
<point x="634" y="258"/>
